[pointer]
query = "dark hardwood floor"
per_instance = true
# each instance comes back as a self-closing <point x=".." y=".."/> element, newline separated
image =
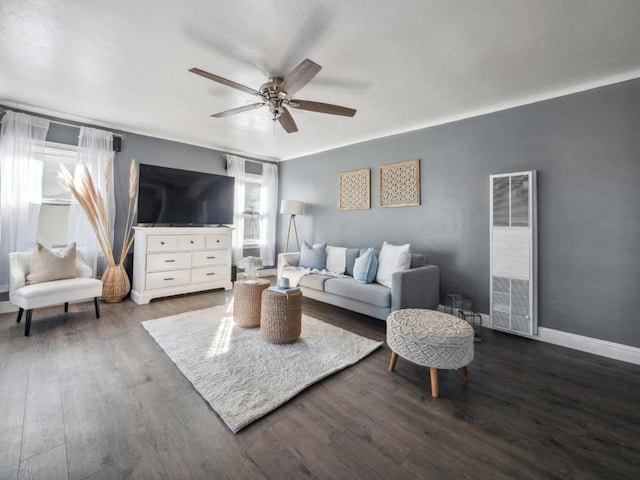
<point x="86" y="398"/>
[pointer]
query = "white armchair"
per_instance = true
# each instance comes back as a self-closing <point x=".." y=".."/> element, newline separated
<point x="46" y="294"/>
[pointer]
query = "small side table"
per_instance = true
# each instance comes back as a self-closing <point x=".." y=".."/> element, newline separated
<point x="456" y="301"/>
<point x="247" y="300"/>
<point x="475" y="319"/>
<point x="281" y="316"/>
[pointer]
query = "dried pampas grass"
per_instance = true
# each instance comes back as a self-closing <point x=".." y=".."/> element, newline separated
<point x="92" y="202"/>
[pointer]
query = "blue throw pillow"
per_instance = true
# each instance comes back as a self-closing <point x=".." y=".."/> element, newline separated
<point x="366" y="266"/>
<point x="313" y="256"/>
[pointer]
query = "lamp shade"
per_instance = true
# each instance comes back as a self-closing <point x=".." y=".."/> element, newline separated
<point x="292" y="207"/>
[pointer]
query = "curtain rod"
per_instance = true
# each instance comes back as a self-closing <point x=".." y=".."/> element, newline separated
<point x="249" y="159"/>
<point x="121" y="135"/>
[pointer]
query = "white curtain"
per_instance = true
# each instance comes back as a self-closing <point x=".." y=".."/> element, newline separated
<point x="21" y="155"/>
<point x="269" y="211"/>
<point x="94" y="148"/>
<point x="235" y="168"/>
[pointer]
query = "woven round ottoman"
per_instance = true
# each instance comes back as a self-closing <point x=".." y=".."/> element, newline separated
<point x="280" y="320"/>
<point x="430" y="338"/>
<point x="247" y="299"/>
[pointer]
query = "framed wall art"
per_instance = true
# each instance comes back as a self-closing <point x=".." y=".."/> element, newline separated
<point x="355" y="190"/>
<point x="400" y="184"/>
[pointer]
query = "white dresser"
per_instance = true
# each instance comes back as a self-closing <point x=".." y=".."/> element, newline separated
<point x="174" y="260"/>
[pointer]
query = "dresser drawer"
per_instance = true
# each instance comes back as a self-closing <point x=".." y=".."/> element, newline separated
<point x="190" y="242"/>
<point x="210" y="274"/>
<point x="217" y="241"/>
<point x="209" y="258"/>
<point x="168" y="261"/>
<point x="161" y="243"/>
<point x="171" y="278"/>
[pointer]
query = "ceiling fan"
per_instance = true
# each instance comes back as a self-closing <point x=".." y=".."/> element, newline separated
<point x="277" y="95"/>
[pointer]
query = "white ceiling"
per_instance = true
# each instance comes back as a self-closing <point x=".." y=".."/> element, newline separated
<point x="403" y="65"/>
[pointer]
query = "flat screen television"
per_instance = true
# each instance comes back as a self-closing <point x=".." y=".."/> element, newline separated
<point x="173" y="197"/>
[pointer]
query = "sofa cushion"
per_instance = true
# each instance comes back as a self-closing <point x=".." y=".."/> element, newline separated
<point x="372" y="293"/>
<point x="314" y="280"/>
<point x="48" y="265"/>
<point x="352" y="254"/>
<point x="393" y="258"/>
<point x="313" y="256"/>
<point x="56" y="292"/>
<point x="365" y="267"/>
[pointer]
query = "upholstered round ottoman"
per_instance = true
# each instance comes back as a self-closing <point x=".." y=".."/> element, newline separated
<point x="247" y="300"/>
<point x="281" y="316"/>
<point x="430" y="338"/>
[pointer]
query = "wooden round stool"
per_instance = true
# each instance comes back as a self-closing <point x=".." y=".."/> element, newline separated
<point x="281" y="316"/>
<point x="430" y="338"/>
<point x="247" y="298"/>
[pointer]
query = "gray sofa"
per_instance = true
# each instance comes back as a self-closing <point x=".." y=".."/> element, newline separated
<point x="418" y="287"/>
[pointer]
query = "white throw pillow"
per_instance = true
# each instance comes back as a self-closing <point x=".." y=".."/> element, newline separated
<point x="336" y="259"/>
<point x="392" y="258"/>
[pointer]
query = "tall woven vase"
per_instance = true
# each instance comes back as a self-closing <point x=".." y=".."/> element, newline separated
<point x="115" y="284"/>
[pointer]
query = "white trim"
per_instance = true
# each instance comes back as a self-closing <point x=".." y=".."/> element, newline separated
<point x="603" y="348"/>
<point x="7" y="307"/>
<point x="484" y="110"/>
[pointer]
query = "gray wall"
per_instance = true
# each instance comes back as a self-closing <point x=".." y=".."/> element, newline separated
<point x="586" y="149"/>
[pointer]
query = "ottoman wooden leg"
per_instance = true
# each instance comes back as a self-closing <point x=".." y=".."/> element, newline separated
<point x="465" y="374"/>
<point x="392" y="362"/>
<point x="433" y="373"/>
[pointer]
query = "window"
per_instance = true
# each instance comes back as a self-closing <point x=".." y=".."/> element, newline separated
<point x="252" y="215"/>
<point x="54" y="212"/>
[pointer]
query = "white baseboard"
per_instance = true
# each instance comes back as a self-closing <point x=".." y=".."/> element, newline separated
<point x="7" y="307"/>
<point x="604" y="348"/>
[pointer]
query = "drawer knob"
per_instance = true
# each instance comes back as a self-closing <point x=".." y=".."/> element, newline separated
<point x="170" y="278"/>
<point x="161" y="242"/>
<point x="169" y="260"/>
<point x="217" y="241"/>
<point x="211" y="273"/>
<point x="191" y="241"/>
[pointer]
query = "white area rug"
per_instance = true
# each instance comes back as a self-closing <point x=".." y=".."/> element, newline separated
<point x="242" y="376"/>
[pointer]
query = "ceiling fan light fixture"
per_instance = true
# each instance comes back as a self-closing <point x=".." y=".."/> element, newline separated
<point x="276" y="94"/>
<point x="275" y="107"/>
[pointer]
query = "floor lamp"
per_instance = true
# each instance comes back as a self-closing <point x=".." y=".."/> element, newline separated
<point x="292" y="208"/>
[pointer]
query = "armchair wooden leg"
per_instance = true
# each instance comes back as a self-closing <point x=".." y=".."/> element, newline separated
<point x="97" y="305"/>
<point x="465" y="374"/>
<point x="27" y="324"/>
<point x="392" y="362"/>
<point x="66" y="307"/>
<point x="433" y="373"/>
<point x="20" y="312"/>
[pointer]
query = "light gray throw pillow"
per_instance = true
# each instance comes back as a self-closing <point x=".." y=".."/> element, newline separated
<point x="313" y="256"/>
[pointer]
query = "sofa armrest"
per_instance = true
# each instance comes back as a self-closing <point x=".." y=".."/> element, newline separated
<point x="416" y="288"/>
<point x="17" y="275"/>
<point x="287" y="260"/>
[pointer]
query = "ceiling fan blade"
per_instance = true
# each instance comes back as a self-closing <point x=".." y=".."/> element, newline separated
<point x="299" y="77"/>
<point x="224" y="81"/>
<point x="287" y="122"/>
<point x="322" y="107"/>
<point x="233" y="111"/>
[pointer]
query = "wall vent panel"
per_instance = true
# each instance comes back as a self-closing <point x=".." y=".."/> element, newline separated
<point x="513" y="253"/>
